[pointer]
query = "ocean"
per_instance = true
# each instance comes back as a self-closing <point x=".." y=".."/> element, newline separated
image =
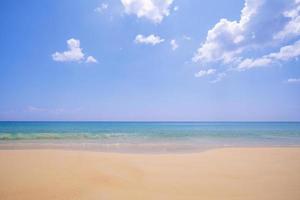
<point x="147" y="136"/>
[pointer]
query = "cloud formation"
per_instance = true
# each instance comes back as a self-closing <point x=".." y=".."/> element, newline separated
<point x="285" y="53"/>
<point x="235" y="44"/>
<point x="293" y="80"/>
<point x="35" y="109"/>
<point x="151" y="39"/>
<point x="91" y="59"/>
<point x="202" y="73"/>
<point x="73" y="54"/>
<point x="174" y="45"/>
<point x="102" y="8"/>
<point x="153" y="10"/>
<point x="219" y="77"/>
<point x="185" y="37"/>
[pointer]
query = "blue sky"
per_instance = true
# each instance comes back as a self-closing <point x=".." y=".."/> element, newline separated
<point x="150" y="60"/>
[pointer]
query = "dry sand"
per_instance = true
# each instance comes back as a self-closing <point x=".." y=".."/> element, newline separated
<point x="231" y="173"/>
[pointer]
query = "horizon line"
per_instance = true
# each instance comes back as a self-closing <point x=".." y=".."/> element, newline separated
<point x="155" y="121"/>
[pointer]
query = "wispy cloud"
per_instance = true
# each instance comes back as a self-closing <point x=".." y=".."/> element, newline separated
<point x="102" y="8"/>
<point x="207" y="72"/>
<point x="293" y="80"/>
<point x="185" y="37"/>
<point x="219" y="77"/>
<point x="35" y="109"/>
<point x="174" y="45"/>
<point x="284" y="54"/>
<point x="47" y="110"/>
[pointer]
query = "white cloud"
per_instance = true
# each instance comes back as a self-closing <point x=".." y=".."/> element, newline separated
<point x="91" y="59"/>
<point x="176" y="8"/>
<point x="249" y="63"/>
<point x="102" y="8"/>
<point x="151" y="39"/>
<point x="174" y="45"/>
<point x="35" y="109"/>
<point x="285" y="53"/>
<point x="185" y="37"/>
<point x="265" y="26"/>
<point x="227" y="38"/>
<point x="220" y="76"/>
<point x="153" y="10"/>
<point x="202" y="73"/>
<point x="293" y="80"/>
<point x="51" y="111"/>
<point x="292" y="28"/>
<point x="73" y="54"/>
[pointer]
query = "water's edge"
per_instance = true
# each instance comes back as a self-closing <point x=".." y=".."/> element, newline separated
<point x="143" y="137"/>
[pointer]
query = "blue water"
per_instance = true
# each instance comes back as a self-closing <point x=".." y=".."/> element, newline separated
<point x="152" y="136"/>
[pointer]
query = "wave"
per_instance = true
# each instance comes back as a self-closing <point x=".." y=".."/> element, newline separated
<point x="57" y="136"/>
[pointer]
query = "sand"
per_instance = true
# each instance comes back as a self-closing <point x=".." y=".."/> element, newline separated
<point x="230" y="173"/>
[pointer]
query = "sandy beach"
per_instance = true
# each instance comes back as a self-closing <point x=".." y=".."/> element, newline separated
<point x="231" y="173"/>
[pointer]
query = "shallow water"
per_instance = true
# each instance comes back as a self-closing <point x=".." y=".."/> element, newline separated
<point x="147" y="136"/>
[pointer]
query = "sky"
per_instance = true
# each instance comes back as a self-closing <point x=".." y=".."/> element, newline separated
<point x="150" y="60"/>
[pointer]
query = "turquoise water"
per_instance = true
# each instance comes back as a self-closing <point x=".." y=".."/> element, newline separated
<point x="147" y="136"/>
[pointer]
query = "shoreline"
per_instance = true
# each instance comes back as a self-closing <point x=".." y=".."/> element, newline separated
<point x="128" y="148"/>
<point x="224" y="173"/>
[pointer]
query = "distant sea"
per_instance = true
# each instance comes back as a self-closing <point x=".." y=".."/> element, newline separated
<point x="147" y="136"/>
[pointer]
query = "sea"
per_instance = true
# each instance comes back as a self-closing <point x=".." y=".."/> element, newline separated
<point x="143" y="137"/>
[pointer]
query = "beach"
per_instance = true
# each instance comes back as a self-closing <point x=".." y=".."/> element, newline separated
<point x="150" y="100"/>
<point x="224" y="173"/>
